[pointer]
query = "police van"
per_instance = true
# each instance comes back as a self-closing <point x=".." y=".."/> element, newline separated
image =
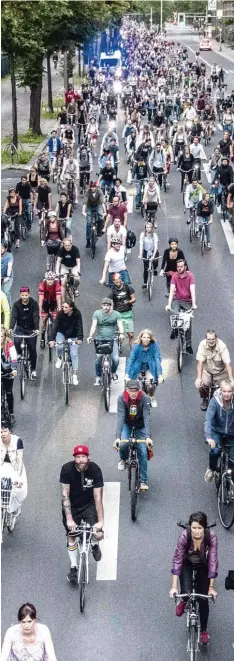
<point x="112" y="60"/>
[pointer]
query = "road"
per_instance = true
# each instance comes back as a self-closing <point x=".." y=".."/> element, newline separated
<point x="128" y="617"/>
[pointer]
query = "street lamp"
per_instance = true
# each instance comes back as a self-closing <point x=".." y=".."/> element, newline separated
<point x="220" y="39"/>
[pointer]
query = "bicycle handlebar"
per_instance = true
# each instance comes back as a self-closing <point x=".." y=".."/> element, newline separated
<point x="25" y="336"/>
<point x="179" y="597"/>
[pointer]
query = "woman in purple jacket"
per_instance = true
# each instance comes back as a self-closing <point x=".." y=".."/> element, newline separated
<point x="206" y="571"/>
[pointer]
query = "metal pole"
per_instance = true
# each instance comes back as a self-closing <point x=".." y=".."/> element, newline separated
<point x="220" y="39"/>
<point x="65" y="77"/>
<point x="161" y="18"/>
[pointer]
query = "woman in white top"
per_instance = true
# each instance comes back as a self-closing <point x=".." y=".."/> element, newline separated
<point x="29" y="640"/>
<point x="114" y="262"/>
<point x="151" y="197"/>
<point x="148" y="250"/>
<point x="12" y="466"/>
<point x="92" y="133"/>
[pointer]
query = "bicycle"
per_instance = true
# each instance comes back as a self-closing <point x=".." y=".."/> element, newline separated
<point x="151" y="216"/>
<point x="70" y="285"/>
<point x="203" y="237"/>
<point x="224" y="203"/>
<point x="83" y="534"/>
<point x="192" y="223"/>
<point x="7" y="518"/>
<point x="9" y="221"/>
<point x="24" y="364"/>
<point x="5" y="413"/>
<point x="192" y="609"/>
<point x="224" y="482"/>
<point x="94" y="234"/>
<point x="132" y="464"/>
<point x="42" y="217"/>
<point x="185" y="181"/>
<point x="105" y="348"/>
<point x="210" y="390"/>
<point x="150" y="278"/>
<point x="71" y="191"/>
<point x="147" y="384"/>
<point x="49" y="326"/>
<point x="66" y="365"/>
<point x="180" y="322"/>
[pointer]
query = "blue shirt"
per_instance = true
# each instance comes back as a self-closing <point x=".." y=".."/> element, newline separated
<point x="5" y="259"/>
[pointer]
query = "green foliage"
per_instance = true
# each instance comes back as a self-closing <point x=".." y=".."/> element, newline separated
<point x="28" y="138"/>
<point x="45" y="114"/>
<point x="23" y="157"/>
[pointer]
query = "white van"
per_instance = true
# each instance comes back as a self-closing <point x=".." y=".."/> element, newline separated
<point x="113" y="60"/>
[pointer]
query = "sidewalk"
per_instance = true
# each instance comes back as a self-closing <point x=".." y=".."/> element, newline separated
<point x="226" y="50"/>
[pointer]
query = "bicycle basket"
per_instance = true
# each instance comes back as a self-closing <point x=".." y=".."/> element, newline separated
<point x="176" y="321"/>
<point x="6" y="487"/>
<point x="103" y="347"/>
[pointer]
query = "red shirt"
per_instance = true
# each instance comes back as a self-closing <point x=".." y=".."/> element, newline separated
<point x="182" y="286"/>
<point x="49" y="293"/>
<point x="118" y="212"/>
<point x="71" y="96"/>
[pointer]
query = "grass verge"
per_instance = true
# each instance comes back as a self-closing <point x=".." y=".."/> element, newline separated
<point x="23" y="157"/>
<point x="45" y="114"/>
<point x="28" y="138"/>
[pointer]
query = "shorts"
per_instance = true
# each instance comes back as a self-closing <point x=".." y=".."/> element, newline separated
<point x="49" y="306"/>
<point x="127" y="319"/>
<point x="88" y="514"/>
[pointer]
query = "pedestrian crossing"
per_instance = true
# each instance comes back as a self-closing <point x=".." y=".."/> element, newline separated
<point x="229" y="70"/>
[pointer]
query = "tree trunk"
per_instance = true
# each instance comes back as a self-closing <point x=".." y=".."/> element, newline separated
<point x="14" y="103"/>
<point x="49" y="81"/>
<point x="35" y="108"/>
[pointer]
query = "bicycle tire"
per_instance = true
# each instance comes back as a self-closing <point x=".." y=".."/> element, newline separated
<point x="150" y="284"/>
<point x="191" y="231"/>
<point x="193" y="642"/>
<point x="165" y="185"/>
<point x="142" y="210"/>
<point x="202" y="242"/>
<point x="93" y="243"/>
<point x="133" y="492"/>
<point x="106" y="390"/>
<point x="82" y="582"/>
<point x="221" y="506"/>
<point x="22" y="380"/>
<point x="41" y="232"/>
<point x="23" y="231"/>
<point x="66" y="382"/>
<point x="11" y="525"/>
<point x="179" y="353"/>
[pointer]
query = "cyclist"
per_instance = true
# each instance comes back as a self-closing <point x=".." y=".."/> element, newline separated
<point x="148" y="250"/>
<point x="213" y="362"/>
<point x="116" y="231"/>
<point x="105" y="323"/>
<point x="85" y="162"/>
<point x="107" y="176"/>
<point x="114" y="151"/>
<point x="123" y="297"/>
<point x="94" y="205"/>
<point x="68" y="138"/>
<point x="52" y="235"/>
<point x="43" y="166"/>
<point x="182" y="296"/>
<point x="62" y="118"/>
<point x="224" y="174"/>
<point x="214" y="163"/>
<point x="92" y="134"/>
<point x="12" y="466"/>
<point x="68" y="258"/>
<point x="198" y="153"/>
<point x="68" y="324"/>
<point x="179" y="142"/>
<point x="186" y="164"/>
<point x="145" y="358"/>
<point x="105" y="158"/>
<point x="50" y="301"/>
<point x="114" y="262"/>
<point x="119" y="190"/>
<point x="151" y="197"/>
<point x="43" y="197"/>
<point x="192" y="544"/>
<point x="54" y="145"/>
<point x="205" y="210"/>
<point x="225" y="145"/>
<point x="133" y="410"/>
<point x="7" y="261"/>
<point x="13" y="207"/>
<point x="169" y="260"/>
<point x="219" y="426"/>
<point x="71" y="171"/>
<point x="140" y="175"/>
<point x="82" y="119"/>
<point x="82" y="499"/>
<point x="63" y="211"/>
<point x="107" y="138"/>
<point x="25" y="321"/>
<point x="157" y="162"/>
<point x="119" y="210"/>
<point x="193" y="195"/>
<point x="23" y="189"/>
<point x="8" y="370"/>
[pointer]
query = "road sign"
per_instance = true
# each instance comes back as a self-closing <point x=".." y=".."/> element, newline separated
<point x="212" y="5"/>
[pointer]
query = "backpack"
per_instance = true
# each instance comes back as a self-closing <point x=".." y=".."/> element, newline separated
<point x="206" y="539"/>
<point x="131" y="239"/>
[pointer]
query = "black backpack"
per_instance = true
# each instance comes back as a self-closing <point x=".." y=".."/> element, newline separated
<point x="206" y="540"/>
<point x="131" y="239"/>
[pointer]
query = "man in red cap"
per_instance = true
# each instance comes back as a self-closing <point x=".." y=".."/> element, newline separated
<point x="25" y="321"/>
<point x="82" y="494"/>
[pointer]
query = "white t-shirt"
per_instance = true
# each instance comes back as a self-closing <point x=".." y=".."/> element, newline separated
<point x="115" y="260"/>
<point x="111" y="232"/>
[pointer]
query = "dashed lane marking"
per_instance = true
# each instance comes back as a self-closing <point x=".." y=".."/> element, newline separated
<point x="107" y="567"/>
<point x="117" y="386"/>
<point x="228" y="234"/>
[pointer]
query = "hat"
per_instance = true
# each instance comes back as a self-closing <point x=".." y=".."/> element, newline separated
<point x="24" y="289"/>
<point x="107" y="300"/>
<point x="133" y="384"/>
<point x="80" y="449"/>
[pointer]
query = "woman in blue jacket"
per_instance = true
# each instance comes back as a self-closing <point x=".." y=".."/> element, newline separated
<point x="145" y="357"/>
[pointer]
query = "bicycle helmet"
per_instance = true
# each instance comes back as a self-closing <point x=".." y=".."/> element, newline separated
<point x="92" y="184"/>
<point x="11" y="188"/>
<point x="173" y="240"/>
<point x="51" y="214"/>
<point x="116" y="242"/>
<point x="50" y="275"/>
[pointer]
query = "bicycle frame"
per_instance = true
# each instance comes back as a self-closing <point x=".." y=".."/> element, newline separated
<point x="223" y="479"/>
<point x="84" y="537"/>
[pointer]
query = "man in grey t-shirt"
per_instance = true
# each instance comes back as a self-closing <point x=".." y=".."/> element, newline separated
<point x="105" y="323"/>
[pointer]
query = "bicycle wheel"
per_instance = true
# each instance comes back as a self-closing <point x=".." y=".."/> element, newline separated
<point x="66" y="381"/>
<point x="165" y="184"/>
<point x="11" y="522"/>
<point x="93" y="243"/>
<point x="106" y="390"/>
<point x="22" y="379"/>
<point x="23" y="230"/>
<point x="193" y="642"/>
<point x="191" y="230"/>
<point x="150" y="283"/>
<point x="180" y="353"/>
<point x="202" y="241"/>
<point x="82" y="583"/>
<point x="133" y="491"/>
<point x="226" y="502"/>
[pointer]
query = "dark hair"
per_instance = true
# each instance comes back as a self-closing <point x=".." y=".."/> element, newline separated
<point x="181" y="260"/>
<point x="198" y="517"/>
<point x="211" y="332"/>
<point x="69" y="301"/>
<point x="27" y="609"/>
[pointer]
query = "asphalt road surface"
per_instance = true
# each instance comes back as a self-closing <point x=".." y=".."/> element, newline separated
<point x="128" y="613"/>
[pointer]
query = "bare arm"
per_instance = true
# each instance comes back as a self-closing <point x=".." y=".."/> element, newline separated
<point x="229" y="370"/>
<point x="78" y="264"/>
<point x="35" y="201"/>
<point x="6" y="206"/>
<point x="171" y="295"/>
<point x="49" y="647"/>
<point x="120" y="326"/>
<point x="93" y="328"/>
<point x="66" y="503"/>
<point x="98" y="495"/>
<point x="193" y="295"/>
<point x="104" y="272"/>
<point x="126" y="219"/>
<point x="59" y="259"/>
<point x="200" y="366"/>
<point x="20" y="457"/>
<point x="6" y="648"/>
<point x="50" y="200"/>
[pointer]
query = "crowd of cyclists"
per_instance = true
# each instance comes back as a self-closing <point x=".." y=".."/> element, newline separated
<point x="170" y="106"/>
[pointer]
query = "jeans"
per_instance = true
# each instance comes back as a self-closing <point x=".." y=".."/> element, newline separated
<point x="31" y="343"/>
<point x="114" y="360"/>
<point x="17" y="224"/>
<point x="82" y="172"/>
<point x="178" y="305"/>
<point x="146" y="265"/>
<point x="27" y="210"/>
<point x="139" y="192"/>
<point x="6" y="288"/>
<point x="159" y="173"/>
<point x="205" y="221"/>
<point x="189" y="175"/>
<point x="7" y="387"/>
<point x="141" y="450"/>
<point x="73" y="350"/>
<point x="124" y="275"/>
<point x="90" y="212"/>
<point x="68" y="224"/>
<point x="106" y="184"/>
<point x="216" y="452"/>
<point x="80" y="128"/>
<point x="202" y="587"/>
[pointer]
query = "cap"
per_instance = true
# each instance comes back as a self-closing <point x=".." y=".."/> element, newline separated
<point x="107" y="300"/>
<point x="24" y="289"/>
<point x="133" y="384"/>
<point x="51" y="214"/>
<point x="80" y="449"/>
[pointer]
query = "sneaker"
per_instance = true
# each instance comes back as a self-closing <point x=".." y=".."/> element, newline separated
<point x="173" y="334"/>
<point x="188" y="221"/>
<point x="204" y="404"/>
<point x="209" y="474"/>
<point x="189" y="349"/>
<point x="12" y="418"/>
<point x="144" y="286"/>
<point x="204" y="638"/>
<point x="96" y="551"/>
<point x="153" y="402"/>
<point x="42" y="343"/>
<point x="143" y="486"/>
<point x="97" y="381"/>
<point x="115" y="377"/>
<point x="75" y="380"/>
<point x="209" y="247"/>
<point x="58" y="363"/>
<point x="34" y="375"/>
<point x="12" y="523"/>
<point x="72" y="576"/>
<point x="121" y="465"/>
<point x="180" y="608"/>
<point x="77" y="293"/>
<point x="155" y="272"/>
<point x="88" y="243"/>
<point x="219" y="210"/>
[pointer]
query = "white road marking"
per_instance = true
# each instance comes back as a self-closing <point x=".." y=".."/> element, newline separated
<point x="220" y="127"/>
<point x="228" y="234"/>
<point x="107" y="567"/>
<point x="130" y="204"/>
<point x="207" y="173"/>
<point x="169" y="367"/>
<point x="117" y="386"/>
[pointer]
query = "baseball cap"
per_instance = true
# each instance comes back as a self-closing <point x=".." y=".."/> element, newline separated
<point x="133" y="384"/>
<point x="80" y="449"/>
<point x="24" y="289"/>
<point x="107" y="300"/>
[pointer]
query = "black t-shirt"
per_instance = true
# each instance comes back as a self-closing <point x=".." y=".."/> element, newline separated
<point x="120" y="298"/>
<point x="108" y="174"/>
<point x="69" y="257"/>
<point x="81" y="495"/>
<point x="63" y="117"/>
<point x="225" y="147"/>
<point x="23" y="190"/>
<point x="43" y="193"/>
<point x="63" y="209"/>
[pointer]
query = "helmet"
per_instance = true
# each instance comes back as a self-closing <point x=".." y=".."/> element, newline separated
<point x="225" y="158"/>
<point x="92" y="184"/>
<point x="11" y="188"/>
<point x="52" y="214"/>
<point x="173" y="240"/>
<point x="50" y="275"/>
<point x="116" y="242"/>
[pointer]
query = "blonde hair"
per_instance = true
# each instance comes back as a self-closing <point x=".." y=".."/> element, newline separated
<point x="149" y="332"/>
<point x="5" y="334"/>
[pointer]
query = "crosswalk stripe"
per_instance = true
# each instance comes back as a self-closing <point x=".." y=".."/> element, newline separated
<point x="117" y="386"/>
<point x="107" y="567"/>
